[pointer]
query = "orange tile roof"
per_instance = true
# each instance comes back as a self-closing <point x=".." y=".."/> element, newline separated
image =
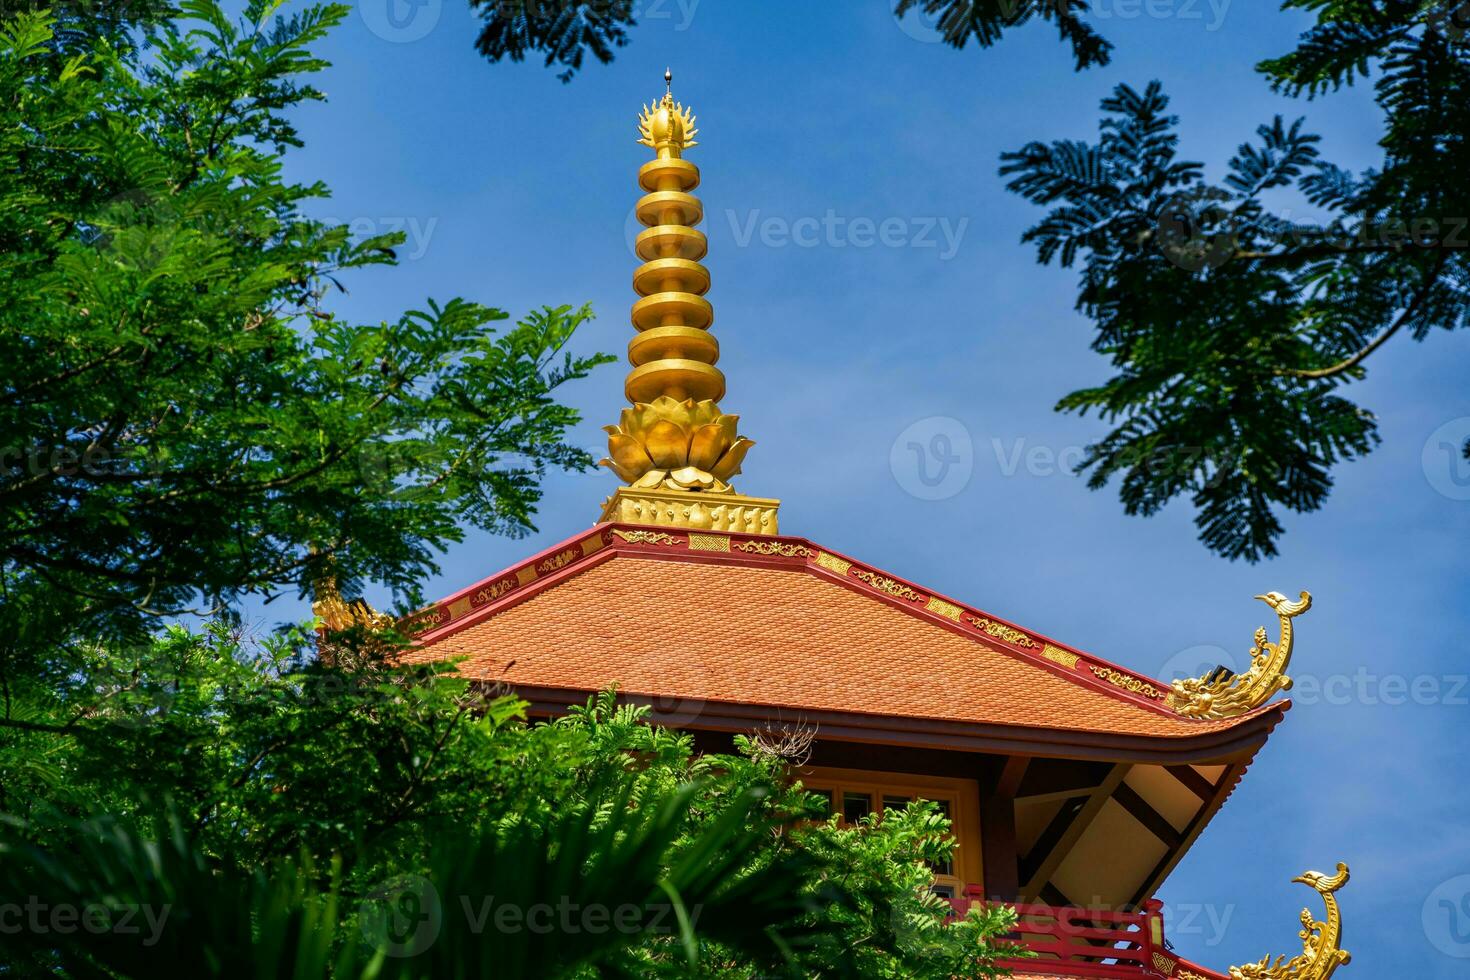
<point x="700" y="619"/>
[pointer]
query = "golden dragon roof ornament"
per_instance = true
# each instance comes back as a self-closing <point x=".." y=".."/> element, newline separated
<point x="674" y="447"/>
<point x="338" y="614"/>
<point x="1322" y="951"/>
<point x="1221" y="694"/>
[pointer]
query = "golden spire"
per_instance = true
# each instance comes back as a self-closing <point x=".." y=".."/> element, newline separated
<point x="675" y="441"/>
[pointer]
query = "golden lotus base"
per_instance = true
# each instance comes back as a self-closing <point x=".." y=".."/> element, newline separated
<point x="702" y="510"/>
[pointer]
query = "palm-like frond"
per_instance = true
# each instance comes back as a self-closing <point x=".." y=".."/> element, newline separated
<point x="519" y="898"/>
<point x="146" y="902"/>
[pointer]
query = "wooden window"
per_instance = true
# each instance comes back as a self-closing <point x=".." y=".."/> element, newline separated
<point x="853" y="794"/>
<point x="945" y="868"/>
<point x="855" y="806"/>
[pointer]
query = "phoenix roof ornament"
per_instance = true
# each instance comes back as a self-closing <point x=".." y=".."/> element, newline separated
<point x="1322" y="951"/>
<point x="1221" y="694"/>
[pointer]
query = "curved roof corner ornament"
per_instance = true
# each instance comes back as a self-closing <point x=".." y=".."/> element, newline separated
<point x="1222" y="694"/>
<point x="1322" y="951"/>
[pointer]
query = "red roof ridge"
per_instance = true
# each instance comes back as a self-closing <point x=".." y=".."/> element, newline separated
<point x="572" y="556"/>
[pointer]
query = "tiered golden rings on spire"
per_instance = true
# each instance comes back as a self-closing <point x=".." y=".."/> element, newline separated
<point x="674" y="354"/>
<point x="674" y="442"/>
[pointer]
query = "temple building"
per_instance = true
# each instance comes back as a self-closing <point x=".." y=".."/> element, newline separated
<point x="1075" y="785"/>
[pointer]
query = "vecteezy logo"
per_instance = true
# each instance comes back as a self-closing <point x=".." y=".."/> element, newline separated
<point x="402" y="916"/>
<point x="1446" y="917"/>
<point x="1197" y="661"/>
<point x="632" y="228"/>
<point x="933" y="458"/>
<point x="1195" y="231"/>
<point x="689" y="680"/>
<point x="1444" y="462"/>
<point x="401" y="21"/>
<point x="919" y="20"/>
<point x="1452" y="19"/>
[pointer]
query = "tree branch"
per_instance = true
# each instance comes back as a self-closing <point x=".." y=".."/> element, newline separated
<point x="1351" y="362"/>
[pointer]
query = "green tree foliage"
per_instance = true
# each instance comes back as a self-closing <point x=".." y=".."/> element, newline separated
<point x="986" y="21"/>
<point x="363" y="819"/>
<point x="1235" y="327"/>
<point x="583" y="890"/>
<point x="81" y="22"/>
<point x="565" y="31"/>
<point x="186" y="419"/>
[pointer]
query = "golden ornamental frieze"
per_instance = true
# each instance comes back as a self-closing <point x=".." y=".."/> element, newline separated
<point x="1322" y="951"/>
<point x="690" y="511"/>
<point x="777" y="548"/>
<point x="649" y="537"/>
<point x="1221" y="694"/>
<point x="946" y="609"/>
<point x="832" y="563"/>
<point x="427" y="620"/>
<point x="885" y="584"/>
<point x="1126" y="681"/>
<point x="1057" y="655"/>
<point x="493" y="591"/>
<point x="559" y="560"/>
<point x="1002" y="632"/>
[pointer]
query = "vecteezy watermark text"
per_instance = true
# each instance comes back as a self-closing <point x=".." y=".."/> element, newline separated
<point x="1204" y="228"/>
<point x="416" y="232"/>
<point x="96" y="918"/>
<point x="1362" y="687"/>
<point x="405" y="916"/>
<point x="833" y="230"/>
<point x="568" y="917"/>
<point x="923" y="20"/>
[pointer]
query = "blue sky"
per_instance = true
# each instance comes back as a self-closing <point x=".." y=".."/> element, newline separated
<point x="516" y="191"/>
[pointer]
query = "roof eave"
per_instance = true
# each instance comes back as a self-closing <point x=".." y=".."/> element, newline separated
<point x="1229" y="745"/>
